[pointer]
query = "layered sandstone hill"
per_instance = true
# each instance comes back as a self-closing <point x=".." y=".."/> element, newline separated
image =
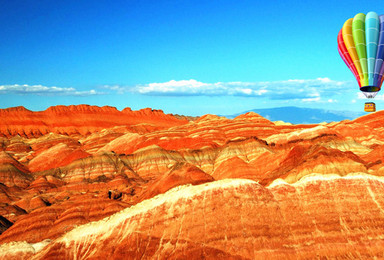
<point x="80" y="119"/>
<point x="317" y="217"/>
<point x="66" y="166"/>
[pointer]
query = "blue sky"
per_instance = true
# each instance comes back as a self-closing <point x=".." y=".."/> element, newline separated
<point x="181" y="56"/>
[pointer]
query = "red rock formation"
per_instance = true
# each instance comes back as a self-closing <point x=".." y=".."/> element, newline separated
<point x="44" y="183"/>
<point x="242" y="170"/>
<point x="8" y="196"/>
<point x="308" y="159"/>
<point x="45" y="142"/>
<point x="80" y="119"/>
<point x="17" y="145"/>
<point x="56" y="156"/>
<point x="238" y="219"/>
<point x="55" y="162"/>
<point x="52" y="221"/>
<point x="180" y="174"/>
<point x="12" y="173"/>
<point x="30" y="203"/>
<point x="373" y="120"/>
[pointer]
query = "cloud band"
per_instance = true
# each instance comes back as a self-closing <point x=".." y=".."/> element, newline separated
<point x="311" y="90"/>
<point x="44" y="90"/>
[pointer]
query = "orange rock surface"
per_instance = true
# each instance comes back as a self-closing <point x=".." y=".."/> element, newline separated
<point x="318" y="217"/>
<point x="308" y="186"/>
<point x="80" y="119"/>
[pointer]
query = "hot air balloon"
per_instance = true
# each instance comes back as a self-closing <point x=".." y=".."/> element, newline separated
<point x="361" y="46"/>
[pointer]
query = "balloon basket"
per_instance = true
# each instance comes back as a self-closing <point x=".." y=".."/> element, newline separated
<point x="370" y="107"/>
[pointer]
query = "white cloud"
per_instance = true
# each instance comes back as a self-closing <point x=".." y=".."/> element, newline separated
<point x="44" y="90"/>
<point x="183" y="86"/>
<point x="116" y="88"/>
<point x="307" y="90"/>
<point x="378" y="97"/>
<point x="316" y="99"/>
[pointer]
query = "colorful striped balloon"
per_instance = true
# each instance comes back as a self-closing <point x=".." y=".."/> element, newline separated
<point x="361" y="46"/>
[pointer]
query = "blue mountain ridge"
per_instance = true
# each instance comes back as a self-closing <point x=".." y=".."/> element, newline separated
<point x="298" y="115"/>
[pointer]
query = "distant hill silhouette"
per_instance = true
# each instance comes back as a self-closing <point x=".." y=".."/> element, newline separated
<point x="298" y="115"/>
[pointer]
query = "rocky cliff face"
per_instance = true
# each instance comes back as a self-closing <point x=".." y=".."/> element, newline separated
<point x="315" y="190"/>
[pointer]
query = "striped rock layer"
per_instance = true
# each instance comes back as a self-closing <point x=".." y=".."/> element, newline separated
<point x="317" y="217"/>
<point x="93" y="162"/>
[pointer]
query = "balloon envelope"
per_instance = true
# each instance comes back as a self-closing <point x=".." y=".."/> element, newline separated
<point x="361" y="46"/>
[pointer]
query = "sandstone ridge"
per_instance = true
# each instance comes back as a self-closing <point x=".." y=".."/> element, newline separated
<point x="78" y="119"/>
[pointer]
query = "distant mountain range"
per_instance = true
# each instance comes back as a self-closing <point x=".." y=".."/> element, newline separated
<point x="298" y="115"/>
